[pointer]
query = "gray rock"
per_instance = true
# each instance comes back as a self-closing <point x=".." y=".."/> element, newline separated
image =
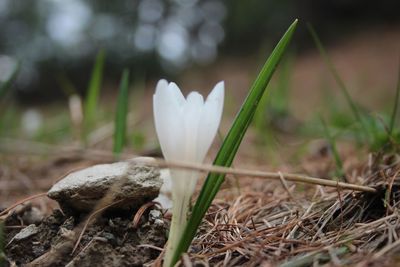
<point x="132" y="183"/>
<point x="159" y="222"/>
<point x="154" y="215"/>
<point x="33" y="216"/>
<point x="28" y="231"/>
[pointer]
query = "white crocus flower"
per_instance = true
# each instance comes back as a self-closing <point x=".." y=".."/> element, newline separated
<point x="186" y="129"/>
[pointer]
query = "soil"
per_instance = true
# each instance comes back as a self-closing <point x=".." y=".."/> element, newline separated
<point x="110" y="240"/>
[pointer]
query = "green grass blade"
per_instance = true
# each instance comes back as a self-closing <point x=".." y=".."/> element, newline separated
<point x="93" y="92"/>
<point x="232" y="141"/>
<point x="121" y="114"/>
<point x="332" y="143"/>
<point x="272" y="107"/>
<point x="339" y="81"/>
<point x="395" y="106"/>
<point x="280" y="97"/>
<point x="6" y="85"/>
<point x="66" y="85"/>
<point x="6" y="106"/>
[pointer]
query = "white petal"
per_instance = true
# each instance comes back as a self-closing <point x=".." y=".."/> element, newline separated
<point x="210" y="119"/>
<point x="192" y="111"/>
<point x="168" y="119"/>
<point x="195" y="98"/>
<point x="174" y="89"/>
<point x="161" y="85"/>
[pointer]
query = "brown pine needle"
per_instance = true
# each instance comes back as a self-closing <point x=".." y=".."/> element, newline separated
<point x="19" y="202"/>
<point x="254" y="173"/>
<point x="140" y="212"/>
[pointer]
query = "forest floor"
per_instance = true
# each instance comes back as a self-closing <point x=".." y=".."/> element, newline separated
<point x="253" y="221"/>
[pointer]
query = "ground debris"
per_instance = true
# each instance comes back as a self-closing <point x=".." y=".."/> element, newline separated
<point x="262" y="224"/>
<point x="338" y="227"/>
<point x="109" y="241"/>
<point x="28" y="231"/>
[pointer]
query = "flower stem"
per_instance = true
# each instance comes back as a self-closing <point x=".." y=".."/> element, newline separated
<point x="178" y="223"/>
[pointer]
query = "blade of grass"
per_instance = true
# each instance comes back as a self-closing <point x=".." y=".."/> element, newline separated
<point x="5" y="92"/>
<point x="93" y="92"/>
<point x="7" y="109"/>
<point x="66" y="85"/>
<point x="261" y="121"/>
<point x="339" y="81"/>
<point x="332" y="143"/>
<point x="6" y="85"/>
<point x="395" y="106"/>
<point x="232" y="141"/>
<point x="280" y="96"/>
<point x="121" y="114"/>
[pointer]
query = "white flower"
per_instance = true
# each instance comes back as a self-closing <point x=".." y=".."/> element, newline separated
<point x="186" y="129"/>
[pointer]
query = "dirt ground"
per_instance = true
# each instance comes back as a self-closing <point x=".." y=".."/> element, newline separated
<point x="109" y="240"/>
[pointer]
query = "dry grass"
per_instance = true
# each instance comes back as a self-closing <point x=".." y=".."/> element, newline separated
<point x="271" y="227"/>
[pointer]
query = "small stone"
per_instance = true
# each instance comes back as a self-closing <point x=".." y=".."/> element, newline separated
<point x="132" y="183"/>
<point x="159" y="222"/>
<point x="154" y="215"/>
<point x="110" y="237"/>
<point x="33" y="216"/>
<point x="28" y="231"/>
<point x="111" y="223"/>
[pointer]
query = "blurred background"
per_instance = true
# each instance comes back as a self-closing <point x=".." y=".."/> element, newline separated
<point x="54" y="43"/>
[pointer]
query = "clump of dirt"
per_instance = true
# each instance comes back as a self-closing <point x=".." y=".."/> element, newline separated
<point x="110" y="240"/>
